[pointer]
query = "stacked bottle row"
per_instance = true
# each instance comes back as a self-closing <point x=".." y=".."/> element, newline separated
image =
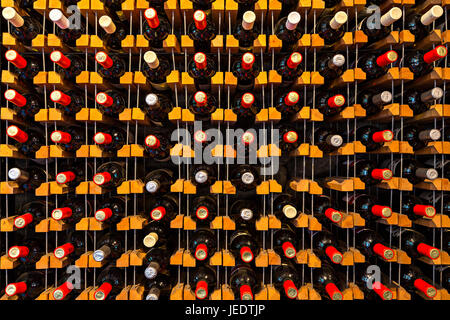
<point x="122" y="198"/>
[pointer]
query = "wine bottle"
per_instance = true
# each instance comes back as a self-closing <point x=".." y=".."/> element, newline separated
<point x="202" y="105"/>
<point x="27" y="143"/>
<point x="25" y="67"/>
<point x="286" y="279"/>
<point x="420" y="24"/>
<point x="330" y="27"/>
<point x="156" y="28"/>
<point x="69" y="67"/>
<point x="417" y="138"/>
<point x="28" y="179"/>
<point x="326" y="139"/>
<point x="324" y="245"/>
<point x="246" y="32"/>
<point x="243" y="245"/>
<point x="413" y="279"/>
<point x="26" y="105"/>
<point x="110" y="139"/>
<point x="69" y="139"/>
<point x="421" y="63"/>
<point x="202" y="68"/>
<point x="165" y="207"/>
<point x="110" y="247"/>
<point x="28" y="286"/>
<point x="155" y="262"/>
<point x="157" y="107"/>
<point x="327" y="283"/>
<point x="110" y="103"/>
<point x="329" y="103"/>
<point x="203" y="175"/>
<point x="243" y="282"/>
<point x="72" y="173"/>
<point x="244" y="211"/>
<point x="110" y="67"/>
<point x="70" y="103"/>
<point x="366" y="206"/>
<point x="289" y="138"/>
<point x="288" y="103"/>
<point x="323" y="208"/>
<point x="372" y="137"/>
<point x="72" y="210"/>
<point x="76" y="244"/>
<point x="420" y="101"/>
<point x="68" y="33"/>
<point x="109" y="175"/>
<point x="289" y="31"/>
<point x="114" y="33"/>
<point x="28" y="252"/>
<point x="23" y="28"/>
<point x="68" y="289"/>
<point x="158" y="288"/>
<point x="202" y="31"/>
<point x="156" y="70"/>
<point x="331" y="66"/>
<point x="367" y="171"/>
<point x="375" y="65"/>
<point x="290" y="67"/>
<point x="414" y="243"/>
<point x="203" y="281"/>
<point x="111" y="282"/>
<point x="204" y="208"/>
<point x="203" y="244"/>
<point x="30" y="214"/>
<point x="410" y="169"/>
<point x="374" y="101"/>
<point x="246" y="106"/>
<point x="157" y="146"/>
<point x="372" y="245"/>
<point x="110" y="210"/>
<point x="246" y="70"/>
<point x="156" y="234"/>
<point x="285" y="241"/>
<point x="414" y="207"/>
<point x="285" y="207"/>
<point x="376" y="29"/>
<point x="159" y="181"/>
<point x="114" y="9"/>
<point x="245" y="177"/>
<point x="371" y="283"/>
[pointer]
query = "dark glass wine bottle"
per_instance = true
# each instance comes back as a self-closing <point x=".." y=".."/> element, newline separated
<point x="26" y="105"/>
<point x="26" y="67"/>
<point x="243" y="282"/>
<point x="289" y="31"/>
<point x="72" y="210"/>
<point x="157" y="146"/>
<point x="110" y="103"/>
<point x="203" y="281"/>
<point x="202" y="68"/>
<point x="246" y="70"/>
<point x="373" y="101"/>
<point x="28" y="286"/>
<point x="420" y="101"/>
<point x="288" y="103"/>
<point x="110" y="247"/>
<point x="69" y="139"/>
<point x="69" y="67"/>
<point x="326" y="139"/>
<point x="159" y="181"/>
<point x="420" y="24"/>
<point x="109" y="175"/>
<point x="165" y="207"/>
<point x="155" y="262"/>
<point x="246" y="32"/>
<point x="27" y="143"/>
<point x="372" y="137"/>
<point x="245" y="177"/>
<point x="202" y="105"/>
<point x="110" y="210"/>
<point x="156" y="28"/>
<point x="69" y="34"/>
<point x="156" y="70"/>
<point x="28" y="179"/>
<point x="367" y="171"/>
<point x="157" y="107"/>
<point x="410" y="169"/>
<point x="290" y="67"/>
<point x="204" y="208"/>
<point x="114" y="33"/>
<point x="23" y="28"/>
<point x="286" y="279"/>
<point x="376" y="29"/>
<point x="111" y="282"/>
<point x="329" y="104"/>
<point x="331" y="66"/>
<point x="421" y="63"/>
<point x="110" y="66"/>
<point x="70" y="103"/>
<point x="203" y="244"/>
<point x="372" y="245"/>
<point x="285" y="241"/>
<point x="416" y="137"/>
<point x="202" y="31"/>
<point x="330" y="27"/>
<point x="375" y="65"/>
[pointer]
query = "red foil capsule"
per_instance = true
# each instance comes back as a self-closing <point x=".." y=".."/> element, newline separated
<point x="158" y="213"/>
<point x="334" y="254"/>
<point x="60" y="59"/>
<point x="201" y="252"/>
<point x="105" y="60"/>
<point x="425" y="287"/>
<point x="152" y="141"/>
<point x="23" y="220"/>
<point x="294" y="60"/>
<point x="65" y="177"/>
<point x="201" y="290"/>
<point x="17" y="134"/>
<point x="62" y="291"/>
<point x="61" y="213"/>
<point x="433" y="55"/>
<point x="103" y="214"/>
<point x="289" y="249"/>
<point x="200" y="60"/>
<point x="18" y="252"/>
<point x="336" y="101"/>
<point x="381" y="211"/>
<point x="102" y="138"/>
<point x="15" y="288"/>
<point x="246" y="254"/>
<point x="63" y="251"/>
<point x="333" y="292"/>
<point x="289" y="289"/>
<point x="334" y="215"/>
<point x="16" y="59"/>
<point x="152" y="18"/>
<point x="60" y="137"/>
<point x="291" y="98"/>
<point x="384" y="252"/>
<point x="104" y="99"/>
<point x="381" y="174"/>
<point x="245" y="292"/>
<point x="290" y="137"/>
<point x="387" y="58"/>
<point x="202" y="213"/>
<point x="60" y="97"/>
<point x="247" y="100"/>
<point x="424" y="210"/>
<point x="200" y="19"/>
<point x="102" y="178"/>
<point x="102" y="292"/>
<point x="14" y="97"/>
<point x="383" y="136"/>
<point x="428" y="251"/>
<point x="382" y="291"/>
<point x="248" y="59"/>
